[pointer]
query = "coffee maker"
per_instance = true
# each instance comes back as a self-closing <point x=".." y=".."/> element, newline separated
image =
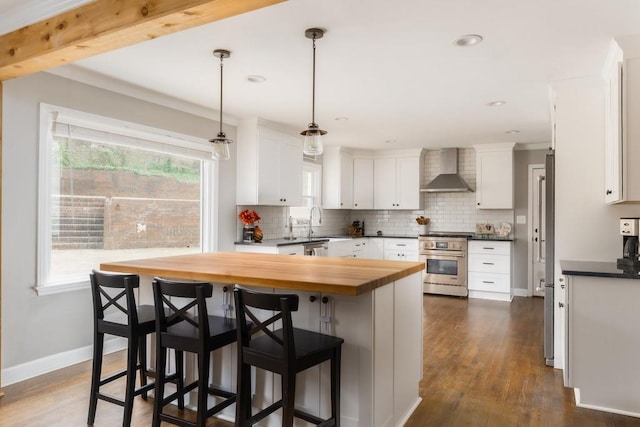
<point x="630" y="232"/>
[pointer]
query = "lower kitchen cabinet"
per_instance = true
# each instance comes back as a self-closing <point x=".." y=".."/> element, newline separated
<point x="401" y="249"/>
<point x="286" y="249"/>
<point x="489" y="269"/>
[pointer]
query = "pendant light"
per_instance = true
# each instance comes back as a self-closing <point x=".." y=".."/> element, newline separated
<point x="221" y="142"/>
<point x="313" y="134"/>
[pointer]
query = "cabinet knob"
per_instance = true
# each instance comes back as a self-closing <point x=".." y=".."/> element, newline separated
<point x="609" y="192"/>
<point x="560" y="305"/>
<point x="325" y="300"/>
<point x="313" y="298"/>
<point x="478" y="203"/>
<point x="355" y="204"/>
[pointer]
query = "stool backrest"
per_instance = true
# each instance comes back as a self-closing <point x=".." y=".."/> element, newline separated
<point x="169" y="313"/>
<point x="114" y="291"/>
<point x="249" y="323"/>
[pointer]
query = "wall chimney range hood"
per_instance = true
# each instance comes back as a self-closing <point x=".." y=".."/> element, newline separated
<point x="448" y="181"/>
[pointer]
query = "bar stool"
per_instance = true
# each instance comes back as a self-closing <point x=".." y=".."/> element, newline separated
<point x="182" y="331"/>
<point x="285" y="351"/>
<point x="125" y="319"/>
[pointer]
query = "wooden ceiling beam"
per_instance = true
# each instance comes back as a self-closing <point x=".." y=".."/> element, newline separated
<point x="105" y="25"/>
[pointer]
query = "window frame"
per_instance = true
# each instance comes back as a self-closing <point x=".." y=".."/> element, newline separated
<point x="45" y="285"/>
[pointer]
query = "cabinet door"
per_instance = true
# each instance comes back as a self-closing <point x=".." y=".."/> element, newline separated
<point x="290" y="174"/>
<point x="384" y="173"/>
<point x="408" y="172"/>
<point x="494" y="178"/>
<point x="613" y="136"/>
<point x="268" y="170"/>
<point x="362" y="183"/>
<point x="346" y="181"/>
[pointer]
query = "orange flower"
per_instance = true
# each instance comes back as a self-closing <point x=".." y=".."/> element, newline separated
<point x="249" y="217"/>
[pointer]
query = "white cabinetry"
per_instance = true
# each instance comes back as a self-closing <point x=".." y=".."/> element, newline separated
<point x="622" y="131"/>
<point x="349" y="248"/>
<point x="401" y="249"/>
<point x="489" y="270"/>
<point x="397" y="179"/>
<point x="362" y="183"/>
<point x="284" y="249"/>
<point x="269" y="168"/>
<point x="494" y="176"/>
<point x="337" y="178"/>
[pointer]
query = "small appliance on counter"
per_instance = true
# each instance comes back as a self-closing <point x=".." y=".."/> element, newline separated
<point x="629" y="231"/>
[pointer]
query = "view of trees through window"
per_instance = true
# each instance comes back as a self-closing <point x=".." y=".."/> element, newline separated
<point x="111" y="202"/>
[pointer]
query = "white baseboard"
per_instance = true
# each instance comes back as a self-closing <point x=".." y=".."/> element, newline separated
<point x="576" y="392"/>
<point x="519" y="292"/>
<point x="33" y="368"/>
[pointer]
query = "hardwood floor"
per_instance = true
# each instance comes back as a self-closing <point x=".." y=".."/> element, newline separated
<point x="483" y="366"/>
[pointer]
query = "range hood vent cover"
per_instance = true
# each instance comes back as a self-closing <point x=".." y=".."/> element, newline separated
<point x="448" y="181"/>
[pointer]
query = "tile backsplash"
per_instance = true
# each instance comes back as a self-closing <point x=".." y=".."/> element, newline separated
<point x="447" y="211"/>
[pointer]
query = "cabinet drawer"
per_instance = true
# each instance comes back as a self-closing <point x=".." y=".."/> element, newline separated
<point x="489" y="247"/>
<point x="489" y="282"/>
<point x="489" y="263"/>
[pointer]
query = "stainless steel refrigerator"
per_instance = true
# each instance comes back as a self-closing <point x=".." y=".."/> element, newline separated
<point x="549" y="263"/>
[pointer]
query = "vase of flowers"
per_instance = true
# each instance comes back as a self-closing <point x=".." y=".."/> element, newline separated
<point x="248" y="218"/>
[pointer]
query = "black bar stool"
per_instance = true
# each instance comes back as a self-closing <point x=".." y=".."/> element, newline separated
<point x="115" y="313"/>
<point x="182" y="331"/>
<point x="285" y="351"/>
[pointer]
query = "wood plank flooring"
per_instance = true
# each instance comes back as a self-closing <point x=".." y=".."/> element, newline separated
<point x="483" y="366"/>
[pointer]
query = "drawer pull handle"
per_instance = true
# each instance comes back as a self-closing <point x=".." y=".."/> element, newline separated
<point x="487" y="263"/>
<point x="488" y="282"/>
<point x="487" y="248"/>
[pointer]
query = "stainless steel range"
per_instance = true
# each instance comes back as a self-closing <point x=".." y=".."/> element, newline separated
<point x="445" y="259"/>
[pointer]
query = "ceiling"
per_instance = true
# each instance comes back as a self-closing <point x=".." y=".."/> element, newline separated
<point x="389" y="70"/>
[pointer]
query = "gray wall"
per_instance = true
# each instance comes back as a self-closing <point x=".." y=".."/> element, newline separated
<point x="34" y="327"/>
<point x="522" y="159"/>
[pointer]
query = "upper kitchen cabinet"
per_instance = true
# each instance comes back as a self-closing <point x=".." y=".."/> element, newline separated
<point x="621" y="74"/>
<point x="362" y="182"/>
<point x="494" y="176"/>
<point x="269" y="170"/>
<point x="337" y="178"/>
<point x="397" y="176"/>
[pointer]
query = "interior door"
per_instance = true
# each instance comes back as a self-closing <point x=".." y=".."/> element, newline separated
<point x="537" y="209"/>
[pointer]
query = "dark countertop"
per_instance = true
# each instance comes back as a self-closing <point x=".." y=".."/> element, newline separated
<point x="304" y="240"/>
<point x="596" y="269"/>
<point x="493" y="237"/>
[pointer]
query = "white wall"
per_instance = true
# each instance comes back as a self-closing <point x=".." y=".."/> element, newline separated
<point x="586" y="227"/>
<point x="35" y="328"/>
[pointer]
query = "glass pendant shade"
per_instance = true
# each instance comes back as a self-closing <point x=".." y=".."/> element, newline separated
<point x="220" y="147"/>
<point x="313" y="140"/>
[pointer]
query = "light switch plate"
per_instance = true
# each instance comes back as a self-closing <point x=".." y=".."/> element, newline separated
<point x="521" y="219"/>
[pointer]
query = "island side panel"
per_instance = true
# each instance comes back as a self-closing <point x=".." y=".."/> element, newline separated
<point x="383" y="354"/>
<point x="407" y="342"/>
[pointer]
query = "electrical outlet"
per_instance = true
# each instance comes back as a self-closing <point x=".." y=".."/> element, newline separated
<point x="521" y="219"/>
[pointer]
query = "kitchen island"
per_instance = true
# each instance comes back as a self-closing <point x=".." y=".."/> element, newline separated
<point x="375" y="305"/>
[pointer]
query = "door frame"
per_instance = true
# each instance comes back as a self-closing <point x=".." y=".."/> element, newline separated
<point x="530" y="207"/>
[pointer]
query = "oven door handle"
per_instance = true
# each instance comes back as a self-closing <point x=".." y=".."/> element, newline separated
<point x="440" y="255"/>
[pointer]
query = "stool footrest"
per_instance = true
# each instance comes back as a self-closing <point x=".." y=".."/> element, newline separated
<point x="265" y="412"/>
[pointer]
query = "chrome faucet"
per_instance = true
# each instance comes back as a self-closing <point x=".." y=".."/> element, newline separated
<point x="311" y="219"/>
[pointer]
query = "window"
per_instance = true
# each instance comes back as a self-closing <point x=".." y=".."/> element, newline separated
<point x="111" y="190"/>
<point x="311" y="194"/>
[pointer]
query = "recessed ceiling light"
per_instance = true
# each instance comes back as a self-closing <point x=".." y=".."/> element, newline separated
<point x="513" y="131"/>
<point x="341" y="119"/>
<point x="468" y="40"/>
<point x="390" y="141"/>
<point x="256" y="79"/>
<point x="496" y="103"/>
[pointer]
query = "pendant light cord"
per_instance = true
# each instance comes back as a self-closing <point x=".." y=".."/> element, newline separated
<point x="221" y="77"/>
<point x="313" y="90"/>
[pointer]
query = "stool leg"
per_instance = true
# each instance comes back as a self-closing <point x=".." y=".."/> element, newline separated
<point x="96" y="372"/>
<point x="203" y="387"/>
<point x="142" y="349"/>
<point x="288" y="398"/>
<point x="243" y="394"/>
<point x="180" y="379"/>
<point x="161" y="362"/>
<point x="132" y="367"/>
<point x="335" y="385"/>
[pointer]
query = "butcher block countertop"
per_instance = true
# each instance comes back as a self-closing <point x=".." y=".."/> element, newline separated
<point x="343" y="276"/>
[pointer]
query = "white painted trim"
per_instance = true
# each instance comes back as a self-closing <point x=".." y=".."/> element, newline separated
<point x="530" y="226"/>
<point x="57" y="361"/>
<point x="519" y="292"/>
<point x="525" y="146"/>
<point x="410" y="412"/>
<point x="576" y="392"/>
